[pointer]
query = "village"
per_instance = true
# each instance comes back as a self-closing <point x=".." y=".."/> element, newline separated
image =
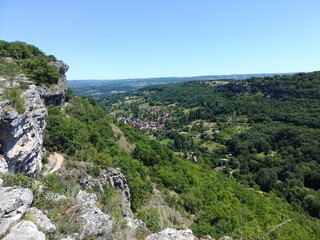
<point x="150" y="120"/>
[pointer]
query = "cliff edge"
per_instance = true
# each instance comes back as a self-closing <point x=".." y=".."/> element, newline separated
<point x="22" y="120"/>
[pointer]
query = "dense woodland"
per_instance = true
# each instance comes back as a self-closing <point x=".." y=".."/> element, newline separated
<point x="272" y="153"/>
<point x="265" y="130"/>
<point x="216" y="203"/>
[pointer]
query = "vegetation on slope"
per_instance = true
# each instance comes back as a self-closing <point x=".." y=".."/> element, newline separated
<point x="83" y="132"/>
<point x="217" y="204"/>
<point x="15" y="96"/>
<point x="29" y="60"/>
<point x="263" y="131"/>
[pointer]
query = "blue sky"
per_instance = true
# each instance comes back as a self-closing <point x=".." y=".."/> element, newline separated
<point x="114" y="39"/>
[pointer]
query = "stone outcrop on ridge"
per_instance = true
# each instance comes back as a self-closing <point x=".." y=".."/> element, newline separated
<point x="95" y="222"/>
<point x="56" y="94"/>
<point x="21" y="141"/>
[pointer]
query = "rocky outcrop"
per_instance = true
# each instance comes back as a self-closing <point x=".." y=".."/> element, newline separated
<point x="172" y="234"/>
<point x="95" y="223"/>
<point x="21" y="142"/>
<point x="17" y="219"/>
<point x="114" y="178"/>
<point x="67" y="238"/>
<point x="14" y="202"/>
<point x="41" y="220"/>
<point x="56" y="94"/>
<point x="117" y="180"/>
<point x="25" y="230"/>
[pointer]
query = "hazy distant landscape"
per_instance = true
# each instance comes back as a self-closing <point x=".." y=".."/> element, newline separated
<point x="100" y="88"/>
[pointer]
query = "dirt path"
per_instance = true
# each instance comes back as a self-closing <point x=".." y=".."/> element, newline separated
<point x="59" y="161"/>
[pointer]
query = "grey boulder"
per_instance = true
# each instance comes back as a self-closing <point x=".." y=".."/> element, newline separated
<point x="25" y="230"/>
<point x="14" y="201"/>
<point x="95" y="222"/>
<point x="41" y="220"/>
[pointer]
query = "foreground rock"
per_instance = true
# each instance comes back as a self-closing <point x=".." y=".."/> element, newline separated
<point x="172" y="234"/>
<point x="41" y="220"/>
<point x="25" y="230"/>
<point x="14" y="202"/>
<point x="116" y="179"/>
<point x="95" y="223"/>
<point x="113" y="177"/>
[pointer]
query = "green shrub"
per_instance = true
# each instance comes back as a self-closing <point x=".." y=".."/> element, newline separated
<point x="19" y="180"/>
<point x="151" y="217"/>
<point x="29" y="217"/>
<point x="15" y="96"/>
<point x="110" y="200"/>
<point x="40" y="72"/>
<point x="30" y="60"/>
<point x="19" y="50"/>
<point x="9" y="70"/>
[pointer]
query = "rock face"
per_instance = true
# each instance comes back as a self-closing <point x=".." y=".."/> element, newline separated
<point x="41" y="220"/>
<point x="21" y="142"/>
<point x="56" y="94"/>
<point x="95" y="223"/>
<point x="172" y="234"/>
<point x="25" y="230"/>
<point x="116" y="179"/>
<point x="14" y="202"/>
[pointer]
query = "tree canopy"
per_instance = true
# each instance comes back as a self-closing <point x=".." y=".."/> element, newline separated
<point x="31" y="61"/>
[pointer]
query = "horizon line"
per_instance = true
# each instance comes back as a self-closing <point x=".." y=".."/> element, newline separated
<point x="207" y="75"/>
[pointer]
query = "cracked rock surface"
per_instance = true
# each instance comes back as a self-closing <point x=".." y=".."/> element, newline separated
<point x="172" y="234"/>
<point x="95" y="222"/>
<point x="14" y="202"/>
<point x="25" y="230"/>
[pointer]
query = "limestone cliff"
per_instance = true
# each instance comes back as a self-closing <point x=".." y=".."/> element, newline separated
<point x="56" y="94"/>
<point x="21" y="141"/>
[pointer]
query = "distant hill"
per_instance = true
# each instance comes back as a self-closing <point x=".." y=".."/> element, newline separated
<point x="101" y="88"/>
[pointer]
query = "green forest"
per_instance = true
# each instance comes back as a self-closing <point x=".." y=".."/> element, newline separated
<point x="262" y="133"/>
<point x="266" y="189"/>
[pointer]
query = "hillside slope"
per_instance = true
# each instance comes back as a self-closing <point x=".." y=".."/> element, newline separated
<point x="216" y="204"/>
